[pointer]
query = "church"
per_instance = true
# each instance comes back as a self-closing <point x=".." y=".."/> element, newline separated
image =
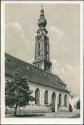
<point x="49" y="90"/>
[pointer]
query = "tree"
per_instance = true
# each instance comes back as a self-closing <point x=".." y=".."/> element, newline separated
<point x="78" y="104"/>
<point x="17" y="92"/>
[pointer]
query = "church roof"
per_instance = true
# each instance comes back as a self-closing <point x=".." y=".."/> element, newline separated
<point x="33" y="73"/>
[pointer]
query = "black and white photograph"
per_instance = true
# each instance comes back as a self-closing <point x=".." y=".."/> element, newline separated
<point x="42" y="62"/>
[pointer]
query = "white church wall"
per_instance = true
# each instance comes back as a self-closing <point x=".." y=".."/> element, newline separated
<point x="42" y="89"/>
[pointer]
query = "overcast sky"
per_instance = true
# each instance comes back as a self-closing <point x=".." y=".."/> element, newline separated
<point x="63" y="25"/>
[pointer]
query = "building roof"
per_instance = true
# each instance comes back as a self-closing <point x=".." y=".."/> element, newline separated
<point x="33" y="73"/>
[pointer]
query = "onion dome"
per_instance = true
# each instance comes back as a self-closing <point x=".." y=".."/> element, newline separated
<point x="42" y="21"/>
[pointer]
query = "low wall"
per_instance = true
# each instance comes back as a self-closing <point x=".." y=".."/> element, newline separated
<point x="63" y="108"/>
<point x="28" y="109"/>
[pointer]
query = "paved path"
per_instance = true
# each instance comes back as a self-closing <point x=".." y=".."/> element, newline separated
<point x="63" y="115"/>
<point x="49" y="115"/>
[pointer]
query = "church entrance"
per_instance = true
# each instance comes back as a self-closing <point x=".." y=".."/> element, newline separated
<point x="53" y="101"/>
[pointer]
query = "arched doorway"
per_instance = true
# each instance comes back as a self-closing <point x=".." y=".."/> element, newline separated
<point x="53" y="101"/>
<point x="37" y="97"/>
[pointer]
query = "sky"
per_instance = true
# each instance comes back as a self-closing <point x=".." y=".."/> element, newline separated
<point x="63" y="25"/>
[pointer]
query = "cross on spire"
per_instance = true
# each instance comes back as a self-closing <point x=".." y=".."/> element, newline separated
<point x="42" y="6"/>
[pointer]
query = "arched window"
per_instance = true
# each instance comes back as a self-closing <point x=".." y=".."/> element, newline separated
<point x="37" y="97"/>
<point x="39" y="46"/>
<point x="53" y="101"/>
<point x="46" y="97"/>
<point x="60" y="99"/>
<point x="39" y="49"/>
<point x="65" y="100"/>
<point x="47" y="51"/>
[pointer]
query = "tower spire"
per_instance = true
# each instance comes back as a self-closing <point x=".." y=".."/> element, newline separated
<point x="42" y="47"/>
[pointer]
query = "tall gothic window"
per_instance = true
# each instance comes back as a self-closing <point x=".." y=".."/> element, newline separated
<point x="39" y="46"/>
<point x="38" y="65"/>
<point x="47" y="55"/>
<point x="60" y="99"/>
<point x="65" y="100"/>
<point x="39" y="49"/>
<point x="46" y="97"/>
<point x="37" y="96"/>
<point x="53" y="101"/>
<point x="47" y="50"/>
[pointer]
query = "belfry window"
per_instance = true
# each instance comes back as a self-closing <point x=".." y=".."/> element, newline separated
<point x="39" y="53"/>
<point x="47" y="55"/>
<point x="46" y="97"/>
<point x="37" y="96"/>
<point x="38" y="65"/>
<point x="39" y="46"/>
<point x="47" y="47"/>
<point x="39" y="49"/>
<point x="47" y="51"/>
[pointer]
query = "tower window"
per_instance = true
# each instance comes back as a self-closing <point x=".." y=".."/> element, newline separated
<point x="39" y="49"/>
<point x="47" y="54"/>
<point x="39" y="53"/>
<point x="39" y="46"/>
<point x="38" y="65"/>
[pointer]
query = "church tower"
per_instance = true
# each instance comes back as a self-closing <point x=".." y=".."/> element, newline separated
<point x="42" y="46"/>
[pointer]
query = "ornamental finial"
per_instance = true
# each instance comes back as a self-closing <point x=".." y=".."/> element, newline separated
<point x="41" y="6"/>
<point x="42" y="21"/>
<point x="42" y="11"/>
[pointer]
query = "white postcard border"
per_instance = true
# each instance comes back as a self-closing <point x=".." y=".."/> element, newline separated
<point x="38" y="120"/>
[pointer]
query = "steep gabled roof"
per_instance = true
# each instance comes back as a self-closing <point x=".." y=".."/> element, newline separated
<point x="33" y="73"/>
